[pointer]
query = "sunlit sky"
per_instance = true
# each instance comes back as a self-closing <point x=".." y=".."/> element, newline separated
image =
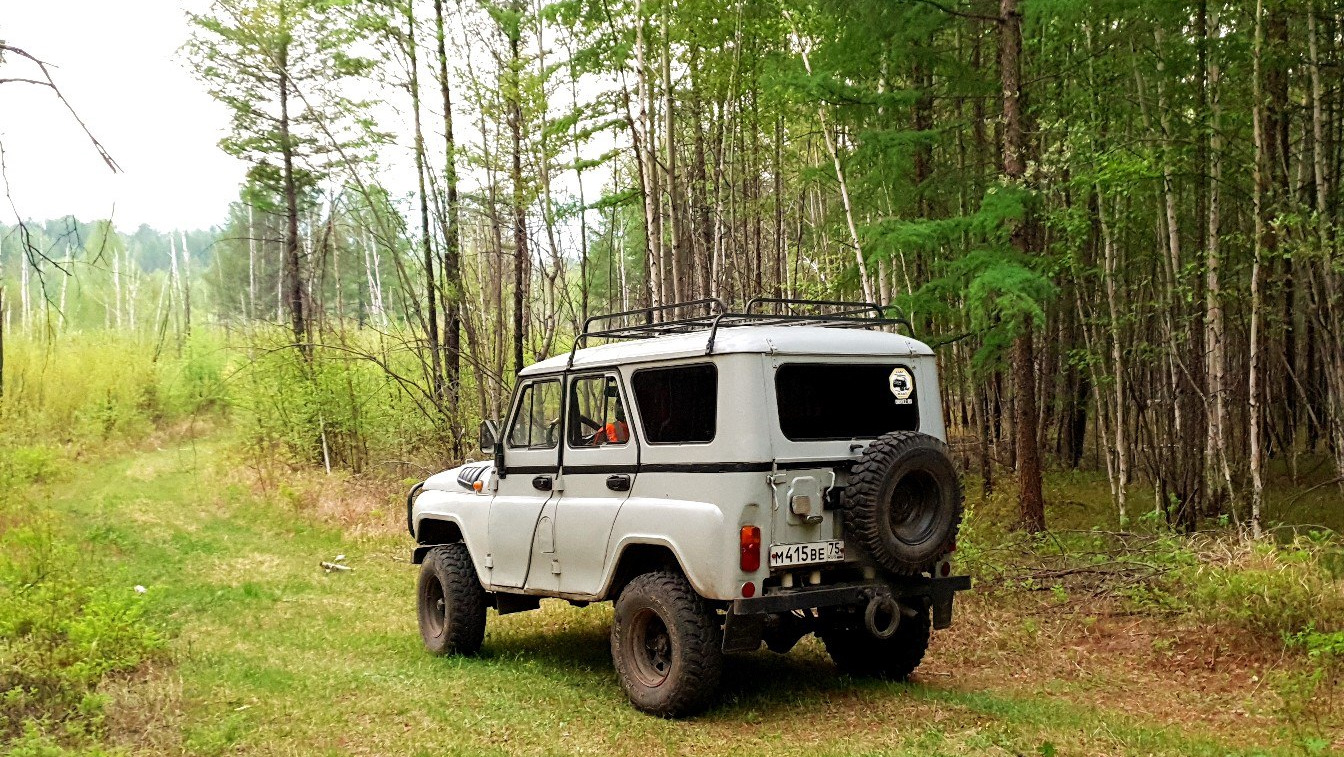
<point x="118" y="64"/>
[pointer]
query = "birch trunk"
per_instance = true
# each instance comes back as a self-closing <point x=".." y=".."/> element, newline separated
<point x="1258" y="202"/>
<point x="1117" y="360"/>
<point x="186" y="285"/>
<point x="1216" y="355"/>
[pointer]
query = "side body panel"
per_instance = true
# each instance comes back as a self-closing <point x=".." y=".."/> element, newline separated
<point x="694" y="498"/>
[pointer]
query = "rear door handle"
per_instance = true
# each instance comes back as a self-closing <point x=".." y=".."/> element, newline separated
<point x="618" y="483"/>
<point x="542" y="483"/>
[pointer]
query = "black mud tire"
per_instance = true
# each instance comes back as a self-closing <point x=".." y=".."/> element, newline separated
<point x="903" y="503"/>
<point x="858" y="653"/>
<point x="667" y="646"/>
<point x="451" y="602"/>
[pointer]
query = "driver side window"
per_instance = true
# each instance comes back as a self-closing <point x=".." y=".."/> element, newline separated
<point x="596" y="415"/>
<point x="537" y="424"/>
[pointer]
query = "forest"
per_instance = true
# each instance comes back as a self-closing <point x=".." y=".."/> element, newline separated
<point x="1118" y="224"/>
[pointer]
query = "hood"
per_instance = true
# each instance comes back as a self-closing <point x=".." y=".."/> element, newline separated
<point x="463" y="477"/>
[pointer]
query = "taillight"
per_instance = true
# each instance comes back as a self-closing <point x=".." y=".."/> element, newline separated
<point x="750" y="542"/>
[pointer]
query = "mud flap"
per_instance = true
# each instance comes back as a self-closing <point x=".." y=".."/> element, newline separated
<point x="742" y="633"/>
<point x="942" y="610"/>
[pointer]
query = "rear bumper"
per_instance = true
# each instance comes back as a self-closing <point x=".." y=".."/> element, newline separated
<point x="747" y="618"/>
<point x="938" y="590"/>
<point x="746" y="623"/>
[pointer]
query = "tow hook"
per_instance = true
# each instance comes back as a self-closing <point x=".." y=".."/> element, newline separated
<point x="882" y="616"/>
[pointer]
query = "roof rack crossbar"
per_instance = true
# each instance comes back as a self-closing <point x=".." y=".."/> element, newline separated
<point x="649" y="328"/>
<point x="713" y="305"/>
<point x="766" y="319"/>
<point x="855" y="308"/>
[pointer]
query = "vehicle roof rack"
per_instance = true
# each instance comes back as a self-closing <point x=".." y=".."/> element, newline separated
<point x="710" y="314"/>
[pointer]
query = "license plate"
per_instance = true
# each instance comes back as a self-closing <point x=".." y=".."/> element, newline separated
<point x="785" y="555"/>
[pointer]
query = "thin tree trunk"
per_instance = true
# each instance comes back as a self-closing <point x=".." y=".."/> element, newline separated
<point x="251" y="265"/>
<point x="186" y="285"/>
<point x="679" y="268"/>
<point x="1117" y="361"/>
<point x="292" y="274"/>
<point x="1031" y="500"/>
<point x="452" y="247"/>
<point x="1215" y="448"/>
<point x="426" y="241"/>
<point x="520" y="253"/>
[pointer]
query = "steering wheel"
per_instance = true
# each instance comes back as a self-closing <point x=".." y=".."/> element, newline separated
<point x="589" y="438"/>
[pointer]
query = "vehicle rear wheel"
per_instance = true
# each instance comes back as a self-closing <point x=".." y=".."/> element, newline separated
<point x="666" y="645"/>
<point x="857" y="652"/>
<point x="451" y="602"/>
<point x="903" y="503"/>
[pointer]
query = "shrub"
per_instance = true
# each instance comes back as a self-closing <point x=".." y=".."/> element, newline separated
<point x="85" y="389"/>
<point x="60" y="635"/>
<point x="1273" y="591"/>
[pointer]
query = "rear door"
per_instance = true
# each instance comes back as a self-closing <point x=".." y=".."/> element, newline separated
<point x="600" y="462"/>
<point x="531" y="459"/>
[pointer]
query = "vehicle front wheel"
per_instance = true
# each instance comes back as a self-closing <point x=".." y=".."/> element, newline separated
<point x="857" y="652"/>
<point x="451" y="602"/>
<point x="666" y="644"/>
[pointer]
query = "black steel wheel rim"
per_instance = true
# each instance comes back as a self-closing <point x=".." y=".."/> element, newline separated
<point x="435" y="608"/>
<point x="915" y="502"/>
<point x="651" y="648"/>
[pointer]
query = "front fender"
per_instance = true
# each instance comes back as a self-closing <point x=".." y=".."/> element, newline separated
<point x="469" y="512"/>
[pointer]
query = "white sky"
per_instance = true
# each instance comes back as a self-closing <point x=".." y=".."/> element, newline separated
<point x="117" y="63"/>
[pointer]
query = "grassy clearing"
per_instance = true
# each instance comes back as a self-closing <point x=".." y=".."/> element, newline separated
<point x="270" y="655"/>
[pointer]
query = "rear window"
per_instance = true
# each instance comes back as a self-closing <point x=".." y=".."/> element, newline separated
<point x="829" y="401"/>
<point x="678" y="405"/>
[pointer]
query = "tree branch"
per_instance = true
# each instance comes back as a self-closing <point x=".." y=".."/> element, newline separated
<point x="42" y="66"/>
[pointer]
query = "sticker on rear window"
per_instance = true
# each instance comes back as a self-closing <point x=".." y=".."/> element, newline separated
<point x="902" y="386"/>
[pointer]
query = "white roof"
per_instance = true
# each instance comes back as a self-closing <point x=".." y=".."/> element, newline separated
<point x="782" y="340"/>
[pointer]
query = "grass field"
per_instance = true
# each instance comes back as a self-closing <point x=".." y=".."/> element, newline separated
<point x="267" y="654"/>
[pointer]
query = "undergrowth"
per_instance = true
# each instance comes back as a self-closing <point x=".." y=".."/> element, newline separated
<point x="1270" y="590"/>
<point x="61" y="630"/>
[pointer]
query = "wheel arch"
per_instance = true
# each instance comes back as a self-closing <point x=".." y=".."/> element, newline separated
<point x="636" y="557"/>
<point x="432" y="531"/>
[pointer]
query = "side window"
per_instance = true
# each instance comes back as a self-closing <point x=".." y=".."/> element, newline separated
<point x="678" y="405"/>
<point x="596" y="416"/>
<point x="537" y="424"/>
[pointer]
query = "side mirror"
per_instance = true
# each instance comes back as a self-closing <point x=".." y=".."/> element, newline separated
<point x="489" y="436"/>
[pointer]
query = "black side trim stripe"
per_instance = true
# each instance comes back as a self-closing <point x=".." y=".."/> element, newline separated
<point x="802" y="464"/>
<point x="705" y="467"/>
<point x="602" y="469"/>
<point x="531" y="470"/>
<point x="760" y="467"/>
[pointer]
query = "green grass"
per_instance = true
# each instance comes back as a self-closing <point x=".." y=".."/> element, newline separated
<point x="270" y="655"/>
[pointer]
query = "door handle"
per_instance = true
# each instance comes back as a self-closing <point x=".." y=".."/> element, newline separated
<point x="542" y="483"/>
<point x="618" y="483"/>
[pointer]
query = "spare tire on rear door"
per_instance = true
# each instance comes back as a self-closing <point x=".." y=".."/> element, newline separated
<point x="903" y="501"/>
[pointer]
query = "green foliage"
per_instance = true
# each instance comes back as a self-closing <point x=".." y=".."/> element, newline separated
<point x="1272" y="591"/>
<point x="347" y="405"/>
<point x="60" y="633"/>
<point x="89" y="388"/>
<point x="1309" y="697"/>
